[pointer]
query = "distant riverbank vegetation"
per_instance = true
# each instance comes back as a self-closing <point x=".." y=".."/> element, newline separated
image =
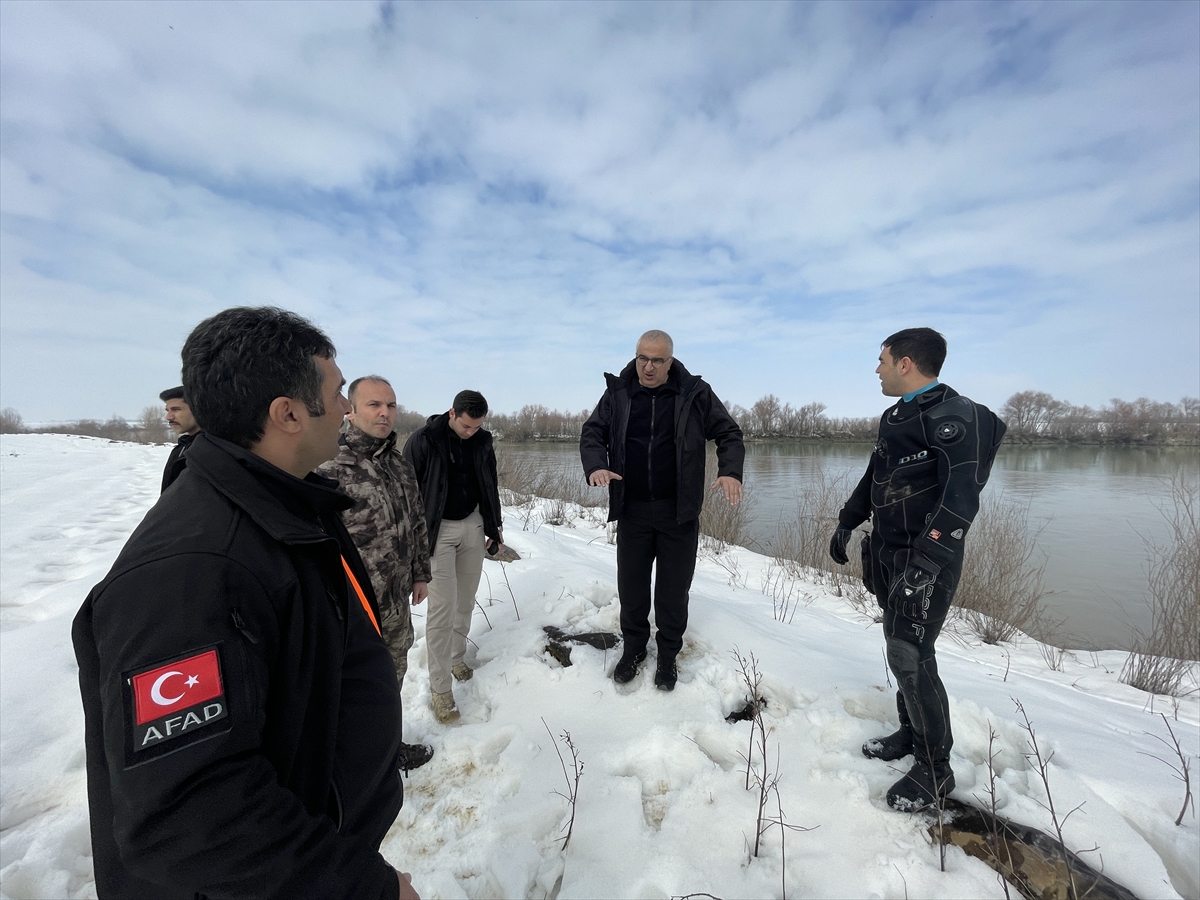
<point x="1033" y="417"/>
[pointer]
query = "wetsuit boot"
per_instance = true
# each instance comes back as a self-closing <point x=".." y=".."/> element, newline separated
<point x="896" y="745"/>
<point x="921" y="787"/>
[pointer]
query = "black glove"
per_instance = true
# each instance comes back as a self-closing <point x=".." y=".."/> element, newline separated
<point x="911" y="592"/>
<point x="837" y="545"/>
<point x="492" y="547"/>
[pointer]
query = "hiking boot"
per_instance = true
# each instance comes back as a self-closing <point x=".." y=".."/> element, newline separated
<point x="462" y="672"/>
<point x="921" y="787"/>
<point x="413" y="756"/>
<point x="444" y="709"/>
<point x="897" y="745"/>
<point x="666" y="675"/>
<point x="627" y="667"/>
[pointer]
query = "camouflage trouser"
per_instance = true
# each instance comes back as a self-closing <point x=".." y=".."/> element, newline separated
<point x="397" y="630"/>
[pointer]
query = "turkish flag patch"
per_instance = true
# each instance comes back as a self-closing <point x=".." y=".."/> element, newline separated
<point x="176" y="699"/>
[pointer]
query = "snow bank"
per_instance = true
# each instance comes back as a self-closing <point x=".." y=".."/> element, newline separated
<point x="662" y="809"/>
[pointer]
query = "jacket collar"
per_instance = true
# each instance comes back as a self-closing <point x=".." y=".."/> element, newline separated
<point x="286" y="507"/>
<point x="363" y="444"/>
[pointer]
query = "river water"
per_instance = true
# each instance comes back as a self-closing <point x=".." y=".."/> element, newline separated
<point x="1096" y="506"/>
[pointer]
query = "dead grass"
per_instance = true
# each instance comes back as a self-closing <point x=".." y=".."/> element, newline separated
<point x="1164" y="657"/>
<point x="1000" y="591"/>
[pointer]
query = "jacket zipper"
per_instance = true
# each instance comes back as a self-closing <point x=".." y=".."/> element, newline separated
<point x="650" y="450"/>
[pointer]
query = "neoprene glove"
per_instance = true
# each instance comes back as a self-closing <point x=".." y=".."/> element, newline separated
<point x="837" y="545"/>
<point x="911" y="592"/>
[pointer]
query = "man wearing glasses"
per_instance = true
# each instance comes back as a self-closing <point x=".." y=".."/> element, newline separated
<point x="645" y="442"/>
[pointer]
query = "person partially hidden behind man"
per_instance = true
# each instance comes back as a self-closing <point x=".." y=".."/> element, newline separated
<point x="456" y="469"/>
<point x="387" y="521"/>
<point x="646" y="441"/>
<point x="921" y="491"/>
<point x="241" y="711"/>
<point x="183" y="423"/>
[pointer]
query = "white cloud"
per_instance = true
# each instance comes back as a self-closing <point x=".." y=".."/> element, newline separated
<point x="506" y="195"/>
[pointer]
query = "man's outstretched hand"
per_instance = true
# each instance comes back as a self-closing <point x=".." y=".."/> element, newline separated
<point x="731" y="487"/>
<point x="601" y="478"/>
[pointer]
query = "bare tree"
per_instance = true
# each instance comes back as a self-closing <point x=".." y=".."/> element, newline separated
<point x="11" y="421"/>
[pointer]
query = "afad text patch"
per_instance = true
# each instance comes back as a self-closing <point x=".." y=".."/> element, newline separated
<point x="174" y="700"/>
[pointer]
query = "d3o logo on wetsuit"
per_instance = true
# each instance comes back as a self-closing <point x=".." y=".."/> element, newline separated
<point x="175" y="699"/>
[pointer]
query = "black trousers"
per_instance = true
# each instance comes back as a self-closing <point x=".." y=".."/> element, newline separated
<point x="649" y="537"/>
<point x="921" y="698"/>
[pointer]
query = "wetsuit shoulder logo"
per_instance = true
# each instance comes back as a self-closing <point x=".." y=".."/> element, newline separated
<point x="949" y="432"/>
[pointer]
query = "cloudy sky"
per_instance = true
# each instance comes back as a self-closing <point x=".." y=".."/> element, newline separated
<point x="503" y="196"/>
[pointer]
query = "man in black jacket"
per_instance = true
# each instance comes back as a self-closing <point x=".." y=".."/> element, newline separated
<point x="645" y="441"/>
<point x="183" y="423"/>
<point x="921" y="490"/>
<point x="456" y="469"/>
<point x="242" y="715"/>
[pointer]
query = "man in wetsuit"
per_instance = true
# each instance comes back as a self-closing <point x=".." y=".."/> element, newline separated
<point x="921" y="490"/>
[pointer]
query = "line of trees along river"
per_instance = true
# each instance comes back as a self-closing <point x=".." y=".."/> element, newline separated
<point x="1031" y="416"/>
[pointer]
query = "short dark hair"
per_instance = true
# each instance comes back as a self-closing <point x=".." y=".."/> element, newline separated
<point x="236" y="363"/>
<point x="353" y="389"/>
<point x="924" y="346"/>
<point x="175" y="393"/>
<point x="470" y="402"/>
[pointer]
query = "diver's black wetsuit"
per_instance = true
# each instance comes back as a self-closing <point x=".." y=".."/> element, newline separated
<point x="921" y="488"/>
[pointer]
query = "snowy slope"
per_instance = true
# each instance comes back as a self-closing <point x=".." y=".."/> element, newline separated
<point x="662" y="807"/>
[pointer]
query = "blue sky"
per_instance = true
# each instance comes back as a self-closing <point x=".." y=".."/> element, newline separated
<point x="503" y="196"/>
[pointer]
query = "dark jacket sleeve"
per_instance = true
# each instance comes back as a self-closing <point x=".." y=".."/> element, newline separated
<point x="858" y="508"/>
<point x="490" y="483"/>
<point x="211" y="816"/>
<point x="421" y="570"/>
<point x="594" y="437"/>
<point x="416" y="451"/>
<point x="720" y="427"/>
<point x="964" y="438"/>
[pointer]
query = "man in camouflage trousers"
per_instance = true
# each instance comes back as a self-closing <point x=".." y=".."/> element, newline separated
<point x="387" y="522"/>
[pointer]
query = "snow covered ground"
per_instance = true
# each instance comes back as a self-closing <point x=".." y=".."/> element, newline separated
<point x="662" y="806"/>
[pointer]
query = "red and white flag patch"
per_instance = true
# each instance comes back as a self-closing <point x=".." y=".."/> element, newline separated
<point x="176" y="698"/>
<point x="934" y="533"/>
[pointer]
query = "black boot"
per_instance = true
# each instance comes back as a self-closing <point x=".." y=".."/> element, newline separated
<point x="925" y="782"/>
<point x="897" y="745"/>
<point x="627" y="667"/>
<point x="666" y="674"/>
<point x="413" y="756"/>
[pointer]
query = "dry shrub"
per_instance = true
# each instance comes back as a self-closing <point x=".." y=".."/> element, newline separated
<point x="1163" y="661"/>
<point x="801" y="544"/>
<point x="525" y="477"/>
<point x="1001" y="589"/>
<point x="723" y="523"/>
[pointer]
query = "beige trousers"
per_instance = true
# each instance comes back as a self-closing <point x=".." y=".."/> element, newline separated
<point x="457" y="562"/>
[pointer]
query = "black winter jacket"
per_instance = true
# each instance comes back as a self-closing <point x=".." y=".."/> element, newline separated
<point x="700" y="417"/>
<point x="932" y="459"/>
<point x="177" y="461"/>
<point x="428" y="449"/>
<point x="277" y="777"/>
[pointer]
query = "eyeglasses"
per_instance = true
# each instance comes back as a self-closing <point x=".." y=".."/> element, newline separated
<point x="656" y="360"/>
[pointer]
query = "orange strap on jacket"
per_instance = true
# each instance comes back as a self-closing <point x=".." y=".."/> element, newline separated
<point x="362" y="598"/>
